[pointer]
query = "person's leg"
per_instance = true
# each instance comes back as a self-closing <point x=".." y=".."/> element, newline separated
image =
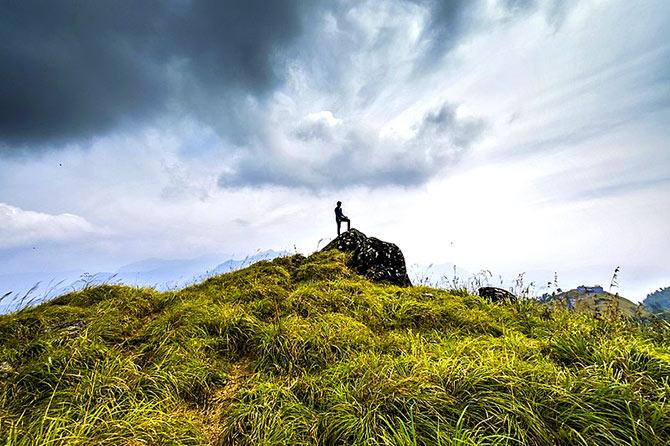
<point x="338" y="227"/>
<point x="348" y="224"/>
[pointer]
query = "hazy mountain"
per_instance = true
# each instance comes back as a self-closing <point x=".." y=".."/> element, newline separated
<point x="161" y="274"/>
<point x="233" y="264"/>
<point x="658" y="301"/>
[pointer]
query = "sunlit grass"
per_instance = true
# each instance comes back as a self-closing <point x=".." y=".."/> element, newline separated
<point x="303" y="352"/>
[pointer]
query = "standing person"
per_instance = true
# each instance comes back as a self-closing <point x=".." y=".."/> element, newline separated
<point x="340" y="217"/>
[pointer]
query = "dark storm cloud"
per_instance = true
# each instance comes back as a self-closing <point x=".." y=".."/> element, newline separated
<point x="73" y="69"/>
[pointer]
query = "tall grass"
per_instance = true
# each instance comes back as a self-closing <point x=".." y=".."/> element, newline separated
<point x="301" y="351"/>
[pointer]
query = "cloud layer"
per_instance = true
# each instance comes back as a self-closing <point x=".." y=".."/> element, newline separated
<point x="186" y="127"/>
<point x="324" y="152"/>
<point x="251" y="71"/>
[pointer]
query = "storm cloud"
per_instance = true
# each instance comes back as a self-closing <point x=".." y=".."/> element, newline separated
<point x="281" y="84"/>
<point x="75" y="69"/>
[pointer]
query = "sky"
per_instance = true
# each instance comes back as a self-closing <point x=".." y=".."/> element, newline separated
<point x="506" y="135"/>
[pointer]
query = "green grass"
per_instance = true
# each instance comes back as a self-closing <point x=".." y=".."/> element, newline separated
<point x="301" y="351"/>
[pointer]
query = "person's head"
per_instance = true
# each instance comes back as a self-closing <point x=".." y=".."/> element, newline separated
<point x="339" y="203"/>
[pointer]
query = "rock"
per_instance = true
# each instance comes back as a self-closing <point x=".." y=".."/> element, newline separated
<point x="375" y="259"/>
<point x="496" y="294"/>
<point x="70" y="327"/>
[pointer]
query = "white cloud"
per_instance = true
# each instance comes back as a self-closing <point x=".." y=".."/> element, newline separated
<point x="317" y="126"/>
<point x="19" y="227"/>
<point x="325" y="116"/>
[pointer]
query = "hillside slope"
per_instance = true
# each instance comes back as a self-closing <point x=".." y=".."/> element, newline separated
<point x="303" y="352"/>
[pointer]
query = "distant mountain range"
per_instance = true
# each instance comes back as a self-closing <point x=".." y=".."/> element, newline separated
<point x="161" y="274"/>
<point x="169" y="274"/>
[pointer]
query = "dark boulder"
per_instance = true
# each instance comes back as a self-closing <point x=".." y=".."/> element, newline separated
<point x="375" y="259"/>
<point x="496" y="294"/>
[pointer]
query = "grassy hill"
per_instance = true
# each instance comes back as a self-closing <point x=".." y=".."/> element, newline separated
<point x="599" y="304"/>
<point x="303" y="352"/>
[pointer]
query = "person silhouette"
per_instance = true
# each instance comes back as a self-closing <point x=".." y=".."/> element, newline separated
<point x="340" y="217"/>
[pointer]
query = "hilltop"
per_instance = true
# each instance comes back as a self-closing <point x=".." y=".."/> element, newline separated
<point x="596" y="301"/>
<point x="304" y="351"/>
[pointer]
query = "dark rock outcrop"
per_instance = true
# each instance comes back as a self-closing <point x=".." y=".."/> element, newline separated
<point x="375" y="259"/>
<point x="496" y="294"/>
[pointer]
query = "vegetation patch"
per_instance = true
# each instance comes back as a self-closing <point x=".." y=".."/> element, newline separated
<point x="301" y="351"/>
